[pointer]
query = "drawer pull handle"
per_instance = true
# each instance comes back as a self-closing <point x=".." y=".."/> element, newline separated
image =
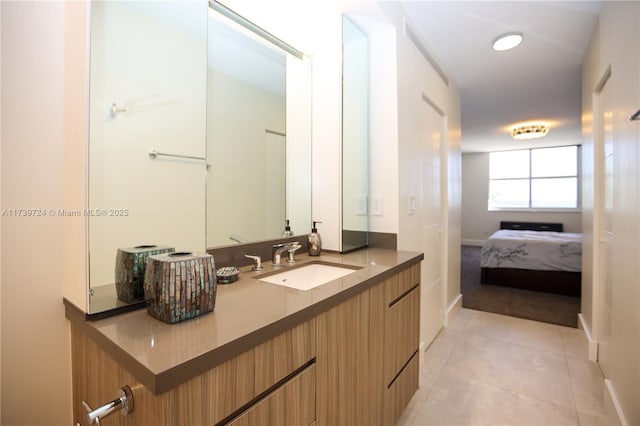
<point x="123" y="403"/>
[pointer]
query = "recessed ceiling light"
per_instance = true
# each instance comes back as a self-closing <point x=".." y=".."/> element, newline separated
<point x="529" y="131"/>
<point x="507" y="41"/>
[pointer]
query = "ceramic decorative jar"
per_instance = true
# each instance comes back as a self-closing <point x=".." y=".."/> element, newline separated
<point x="179" y="286"/>
<point x="131" y="263"/>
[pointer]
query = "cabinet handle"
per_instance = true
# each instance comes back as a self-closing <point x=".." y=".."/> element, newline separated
<point x="635" y="116"/>
<point x="123" y="403"/>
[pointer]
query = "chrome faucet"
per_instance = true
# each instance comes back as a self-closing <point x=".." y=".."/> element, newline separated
<point x="257" y="262"/>
<point x="278" y="249"/>
<point x="292" y="252"/>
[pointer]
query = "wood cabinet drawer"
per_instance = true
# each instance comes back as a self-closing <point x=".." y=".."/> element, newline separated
<point x="291" y="404"/>
<point x="206" y="399"/>
<point x="399" y="284"/>
<point x="401" y="391"/>
<point x="402" y="333"/>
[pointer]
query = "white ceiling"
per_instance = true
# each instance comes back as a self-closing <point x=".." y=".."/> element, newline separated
<point x="538" y="80"/>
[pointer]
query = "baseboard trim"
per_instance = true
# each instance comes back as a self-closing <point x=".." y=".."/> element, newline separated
<point x="452" y="310"/>
<point x="423" y="348"/>
<point x="592" y="345"/>
<point x="477" y="243"/>
<point x="612" y="403"/>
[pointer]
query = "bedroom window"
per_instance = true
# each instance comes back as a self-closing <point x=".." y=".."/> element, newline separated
<point x="533" y="179"/>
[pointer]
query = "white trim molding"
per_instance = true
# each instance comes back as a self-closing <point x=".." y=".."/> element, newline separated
<point x="477" y="243"/>
<point x="612" y="403"/>
<point x="452" y="310"/>
<point x="592" y="345"/>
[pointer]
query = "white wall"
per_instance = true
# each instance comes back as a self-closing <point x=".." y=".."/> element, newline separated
<point x="590" y="69"/>
<point x="36" y="359"/>
<point x="616" y="330"/>
<point x="478" y="223"/>
<point x="383" y="125"/>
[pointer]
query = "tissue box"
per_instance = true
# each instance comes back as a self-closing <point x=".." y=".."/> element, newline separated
<point x="130" y="268"/>
<point x="180" y="286"/>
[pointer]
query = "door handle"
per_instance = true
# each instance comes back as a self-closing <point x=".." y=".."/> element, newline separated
<point x="635" y="116"/>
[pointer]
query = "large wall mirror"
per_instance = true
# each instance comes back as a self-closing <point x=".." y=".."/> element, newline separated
<point x="355" y="136"/>
<point x="199" y="134"/>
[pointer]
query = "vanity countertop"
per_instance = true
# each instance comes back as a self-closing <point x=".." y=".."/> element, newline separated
<point x="247" y="313"/>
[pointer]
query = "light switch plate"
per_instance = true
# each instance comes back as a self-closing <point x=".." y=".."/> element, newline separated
<point x="377" y="202"/>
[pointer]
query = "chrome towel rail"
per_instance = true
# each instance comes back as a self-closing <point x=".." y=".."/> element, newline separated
<point x="123" y="403"/>
<point x="153" y="154"/>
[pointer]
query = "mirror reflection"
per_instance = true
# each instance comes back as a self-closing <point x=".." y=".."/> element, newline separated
<point x="227" y="116"/>
<point x="258" y="134"/>
<point x="246" y="125"/>
<point x="147" y="92"/>
<point x="355" y="136"/>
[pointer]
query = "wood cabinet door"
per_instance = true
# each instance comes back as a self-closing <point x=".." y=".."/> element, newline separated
<point x="350" y="361"/>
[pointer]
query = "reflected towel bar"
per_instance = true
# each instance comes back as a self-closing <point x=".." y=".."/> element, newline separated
<point x="153" y="154"/>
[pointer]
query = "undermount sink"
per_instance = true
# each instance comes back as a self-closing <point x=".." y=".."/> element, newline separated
<point x="309" y="276"/>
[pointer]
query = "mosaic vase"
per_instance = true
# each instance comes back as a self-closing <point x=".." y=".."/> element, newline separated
<point x="131" y="263"/>
<point x="179" y="286"/>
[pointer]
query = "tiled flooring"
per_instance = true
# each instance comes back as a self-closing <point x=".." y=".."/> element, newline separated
<point x="488" y="369"/>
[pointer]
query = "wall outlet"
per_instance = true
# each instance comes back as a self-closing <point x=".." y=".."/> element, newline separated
<point x="377" y="205"/>
<point x="411" y="204"/>
<point x="363" y="202"/>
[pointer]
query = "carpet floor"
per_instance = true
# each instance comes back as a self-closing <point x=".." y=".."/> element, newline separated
<point x="533" y="305"/>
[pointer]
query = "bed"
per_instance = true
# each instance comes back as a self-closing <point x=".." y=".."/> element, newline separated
<point x="533" y="256"/>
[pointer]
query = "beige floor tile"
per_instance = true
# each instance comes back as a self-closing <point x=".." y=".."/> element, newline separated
<point x="461" y="320"/>
<point x="489" y="369"/>
<point x="437" y="355"/>
<point x="454" y="401"/>
<point x="588" y="386"/>
<point x="535" y="334"/>
<point x="536" y="373"/>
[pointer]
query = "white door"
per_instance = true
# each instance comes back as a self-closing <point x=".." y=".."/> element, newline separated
<point x="433" y="228"/>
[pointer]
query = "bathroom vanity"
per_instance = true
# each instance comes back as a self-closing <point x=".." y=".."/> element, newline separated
<point x="345" y="352"/>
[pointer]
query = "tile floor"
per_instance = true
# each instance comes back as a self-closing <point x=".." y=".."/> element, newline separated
<point x="489" y="369"/>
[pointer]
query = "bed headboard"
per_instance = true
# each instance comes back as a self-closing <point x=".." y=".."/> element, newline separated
<point x="532" y="226"/>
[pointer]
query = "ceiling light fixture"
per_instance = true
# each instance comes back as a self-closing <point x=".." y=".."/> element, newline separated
<point x="529" y="131"/>
<point x="507" y="41"/>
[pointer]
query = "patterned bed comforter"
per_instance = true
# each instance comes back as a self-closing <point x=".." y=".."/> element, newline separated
<point x="547" y="251"/>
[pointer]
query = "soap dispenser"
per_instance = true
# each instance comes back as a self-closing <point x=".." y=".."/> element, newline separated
<point x="287" y="230"/>
<point x="315" y="242"/>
